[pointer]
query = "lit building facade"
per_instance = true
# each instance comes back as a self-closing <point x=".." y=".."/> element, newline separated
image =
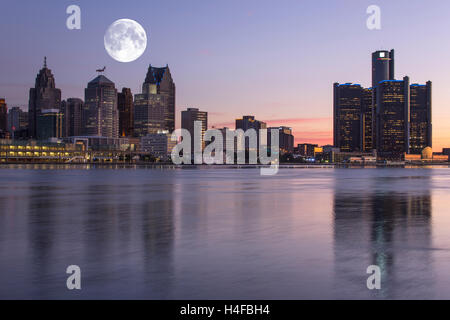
<point x="158" y="144"/>
<point x="347" y="112"/>
<point x="421" y="117"/>
<point x="306" y="149"/>
<point x="392" y="118"/>
<point x="154" y="108"/>
<point x="188" y="119"/>
<point x="100" y="114"/>
<point x="367" y="123"/>
<point x="50" y="124"/>
<point x="286" y="139"/>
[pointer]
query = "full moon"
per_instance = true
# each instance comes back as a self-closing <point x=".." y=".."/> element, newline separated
<point x="125" y="40"/>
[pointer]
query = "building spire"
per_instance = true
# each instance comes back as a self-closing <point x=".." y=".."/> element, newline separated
<point x="45" y="62"/>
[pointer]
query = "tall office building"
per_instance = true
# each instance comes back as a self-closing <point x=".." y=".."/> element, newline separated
<point x="382" y="66"/>
<point x="49" y="124"/>
<point x="306" y="149"/>
<point x="154" y="108"/>
<point x="18" y="122"/>
<point x="367" y="123"/>
<point x="188" y="119"/>
<point x="72" y="111"/>
<point x="420" y="118"/>
<point x="43" y="96"/>
<point x="17" y="119"/>
<point x="100" y="115"/>
<point x="126" y="112"/>
<point x="249" y="122"/>
<point x="286" y="139"/>
<point x="392" y="118"/>
<point x="347" y="116"/>
<point x="3" y="115"/>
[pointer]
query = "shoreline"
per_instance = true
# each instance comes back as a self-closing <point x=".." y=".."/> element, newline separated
<point x="229" y="166"/>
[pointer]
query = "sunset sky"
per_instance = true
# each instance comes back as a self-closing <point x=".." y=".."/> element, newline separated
<point x="276" y="60"/>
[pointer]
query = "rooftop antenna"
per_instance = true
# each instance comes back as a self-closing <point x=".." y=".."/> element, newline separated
<point x="45" y="62"/>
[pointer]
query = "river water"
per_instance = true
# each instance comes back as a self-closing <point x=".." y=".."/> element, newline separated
<point x="155" y="233"/>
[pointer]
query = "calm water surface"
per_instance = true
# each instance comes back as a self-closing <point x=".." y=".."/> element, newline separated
<point x="224" y="233"/>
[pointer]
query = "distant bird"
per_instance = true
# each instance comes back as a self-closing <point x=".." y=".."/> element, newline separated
<point x="101" y="70"/>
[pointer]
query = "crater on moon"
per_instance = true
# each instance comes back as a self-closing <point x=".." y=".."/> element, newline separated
<point x="125" y="40"/>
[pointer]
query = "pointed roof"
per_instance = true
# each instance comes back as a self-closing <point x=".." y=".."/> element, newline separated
<point x="101" y="79"/>
<point x="155" y="75"/>
<point x="45" y="78"/>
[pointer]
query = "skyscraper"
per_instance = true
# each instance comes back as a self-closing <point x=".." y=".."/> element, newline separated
<point x="17" y="119"/>
<point x="249" y="122"/>
<point x="154" y="108"/>
<point x="392" y="118"/>
<point x="347" y="116"/>
<point x="421" y="121"/>
<point x="3" y="115"/>
<point x="72" y="110"/>
<point x="286" y="139"/>
<point x="367" y="123"/>
<point x="43" y="96"/>
<point x="49" y="124"/>
<point x="126" y="112"/>
<point x="188" y="119"/>
<point x="100" y="114"/>
<point x="382" y="66"/>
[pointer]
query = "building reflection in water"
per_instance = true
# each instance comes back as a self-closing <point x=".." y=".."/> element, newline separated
<point x="383" y="223"/>
<point x="119" y="228"/>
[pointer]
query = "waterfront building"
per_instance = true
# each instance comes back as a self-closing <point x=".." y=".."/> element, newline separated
<point x="383" y="66"/>
<point x="3" y="115"/>
<point x="154" y="108"/>
<point x="420" y="118"/>
<point x="100" y="116"/>
<point x="43" y="96"/>
<point x="306" y="149"/>
<point x="17" y="120"/>
<point x="158" y="144"/>
<point x="72" y="110"/>
<point x="126" y="112"/>
<point x="249" y="122"/>
<point x="188" y="119"/>
<point x="286" y="139"/>
<point x="393" y="118"/>
<point x="49" y="124"/>
<point x="347" y="110"/>
<point x="367" y="123"/>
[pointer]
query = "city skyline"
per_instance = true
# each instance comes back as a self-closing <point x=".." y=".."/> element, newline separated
<point x="240" y="76"/>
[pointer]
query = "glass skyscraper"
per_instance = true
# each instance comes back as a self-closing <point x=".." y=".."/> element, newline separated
<point x="392" y="117"/>
<point x="382" y="66"/>
<point x="347" y="116"/>
<point x="100" y="113"/>
<point x="420" y="119"/>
